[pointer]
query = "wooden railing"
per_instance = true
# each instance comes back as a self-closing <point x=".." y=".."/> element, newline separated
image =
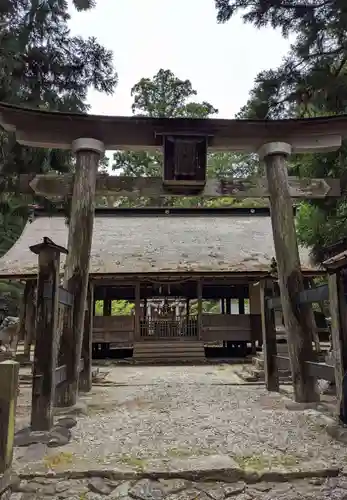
<point x="317" y="294"/>
<point x="316" y="370"/>
<point x="273" y="362"/>
<point x="231" y="327"/>
<point x="169" y="328"/>
<point x="115" y="329"/>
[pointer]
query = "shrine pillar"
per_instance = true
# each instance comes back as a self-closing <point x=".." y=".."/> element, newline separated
<point x="88" y="152"/>
<point x="137" y="311"/>
<point x="297" y="318"/>
<point x="200" y="295"/>
<point x="254" y="299"/>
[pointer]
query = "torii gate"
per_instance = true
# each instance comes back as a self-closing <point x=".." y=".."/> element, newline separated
<point x="185" y="143"/>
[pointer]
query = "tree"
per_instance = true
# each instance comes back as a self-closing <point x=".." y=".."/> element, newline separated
<point x="43" y="66"/>
<point x="167" y="96"/>
<point x="311" y="81"/>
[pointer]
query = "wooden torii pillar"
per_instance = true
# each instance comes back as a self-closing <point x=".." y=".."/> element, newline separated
<point x="297" y="318"/>
<point x="88" y="152"/>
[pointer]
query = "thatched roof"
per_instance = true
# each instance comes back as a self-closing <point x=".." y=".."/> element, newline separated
<point x="138" y="244"/>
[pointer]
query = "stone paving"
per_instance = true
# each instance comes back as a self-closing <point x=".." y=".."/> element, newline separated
<point x="179" y="489"/>
<point x="193" y="423"/>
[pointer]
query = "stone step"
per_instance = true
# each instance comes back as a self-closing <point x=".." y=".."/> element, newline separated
<point x="169" y="351"/>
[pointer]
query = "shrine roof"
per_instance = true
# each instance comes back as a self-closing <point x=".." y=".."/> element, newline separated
<point x="161" y="241"/>
<point x="40" y="128"/>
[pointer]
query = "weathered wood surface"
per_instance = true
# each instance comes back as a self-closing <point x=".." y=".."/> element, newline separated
<point x="268" y="329"/>
<point x="60" y="376"/>
<point x="232" y="327"/>
<point x="321" y="371"/>
<point x="85" y="380"/>
<point x="316" y="370"/>
<point x="107" y="307"/>
<point x="23" y="311"/>
<point x="283" y="363"/>
<point x="137" y="332"/>
<point x="54" y="187"/>
<point x="43" y="392"/>
<point x="199" y="292"/>
<point x="77" y="264"/>
<point x="309" y="296"/>
<point x="40" y="128"/>
<point x="113" y="329"/>
<point x="297" y="318"/>
<point x="9" y="379"/>
<point x="30" y="318"/>
<point x="338" y="313"/>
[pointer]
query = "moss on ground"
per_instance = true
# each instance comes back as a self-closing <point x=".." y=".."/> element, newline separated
<point x="53" y="461"/>
<point x="263" y="462"/>
<point x="138" y="463"/>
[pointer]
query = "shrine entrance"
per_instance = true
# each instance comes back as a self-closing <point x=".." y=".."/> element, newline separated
<point x="185" y="144"/>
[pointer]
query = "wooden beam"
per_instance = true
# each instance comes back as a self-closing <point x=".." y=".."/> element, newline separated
<point x="269" y="340"/>
<point x="76" y="278"/>
<point x="43" y="392"/>
<point x="46" y="129"/>
<point x="9" y="379"/>
<point x="54" y="187"/>
<point x="297" y="318"/>
<point x="321" y="371"/>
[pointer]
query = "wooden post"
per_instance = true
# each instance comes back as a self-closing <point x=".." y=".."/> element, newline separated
<point x="107" y="307"/>
<point x="269" y="340"/>
<point x="137" y="311"/>
<point x="338" y="313"/>
<point x="85" y="381"/>
<point x="222" y="304"/>
<point x="88" y="153"/>
<point x="297" y="318"/>
<point x="145" y="308"/>
<point x="228" y="306"/>
<point x="30" y="318"/>
<point x="199" y="294"/>
<point x="23" y="309"/>
<point x="241" y="305"/>
<point x="46" y="330"/>
<point x="9" y="378"/>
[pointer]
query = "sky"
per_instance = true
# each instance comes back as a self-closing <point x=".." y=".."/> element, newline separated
<point x="221" y="61"/>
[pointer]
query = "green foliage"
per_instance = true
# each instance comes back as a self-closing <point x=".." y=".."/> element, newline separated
<point x="311" y="81"/>
<point x="166" y="96"/>
<point x="44" y="67"/>
<point x="119" y="308"/>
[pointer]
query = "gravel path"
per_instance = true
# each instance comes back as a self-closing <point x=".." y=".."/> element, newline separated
<point x="175" y="412"/>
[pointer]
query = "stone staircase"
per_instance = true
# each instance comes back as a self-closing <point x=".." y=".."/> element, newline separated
<point x="169" y="351"/>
